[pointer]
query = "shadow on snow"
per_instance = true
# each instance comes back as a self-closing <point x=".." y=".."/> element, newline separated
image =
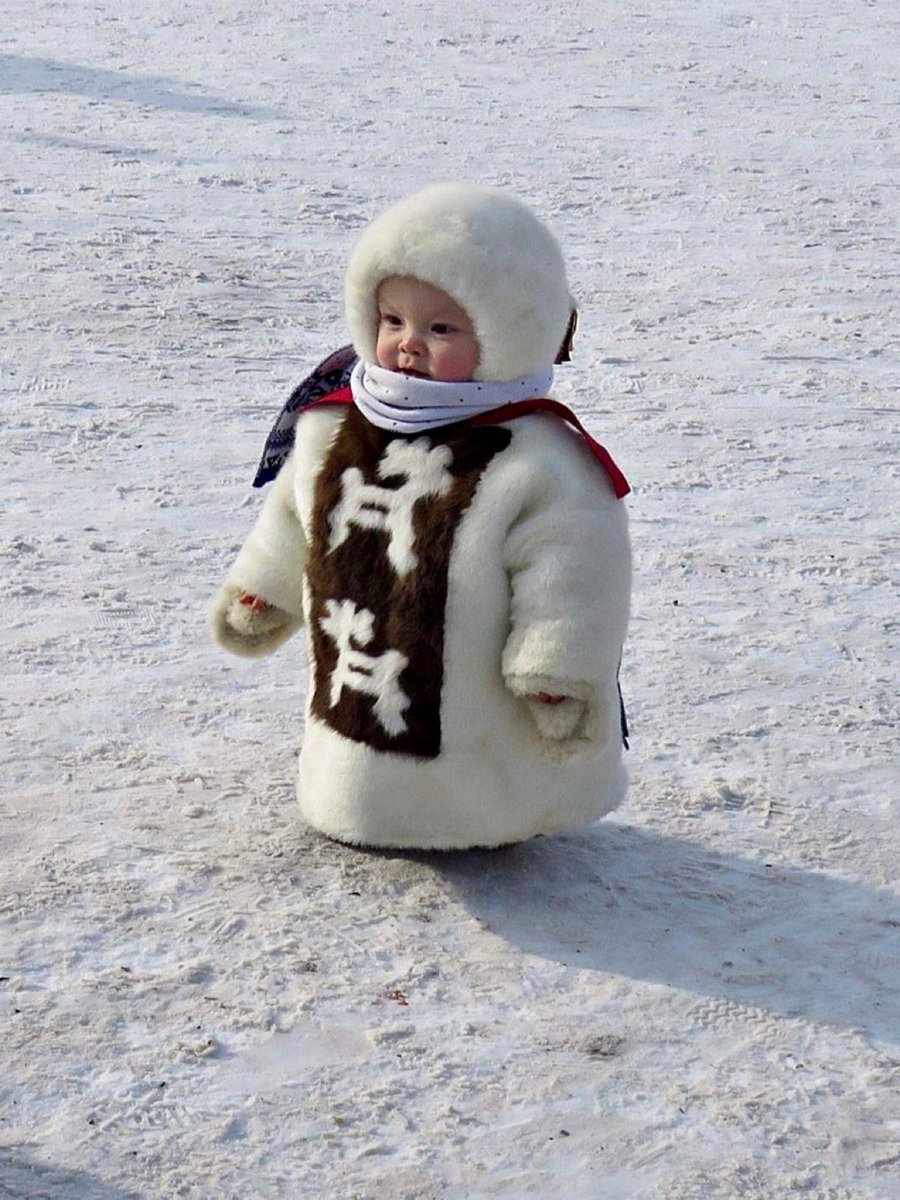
<point x="632" y="902"/>
<point x="21" y="1179"/>
<point x="22" y="76"/>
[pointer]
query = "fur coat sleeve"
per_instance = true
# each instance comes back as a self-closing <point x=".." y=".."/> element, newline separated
<point x="568" y="560"/>
<point x="272" y="559"/>
<point x="269" y="566"/>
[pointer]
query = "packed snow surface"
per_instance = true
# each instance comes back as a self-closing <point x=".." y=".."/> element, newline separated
<point x="698" y="998"/>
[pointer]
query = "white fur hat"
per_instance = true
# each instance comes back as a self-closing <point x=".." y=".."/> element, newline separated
<point x="485" y="249"/>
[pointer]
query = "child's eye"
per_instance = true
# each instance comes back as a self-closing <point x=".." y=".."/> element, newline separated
<point x="390" y="319"/>
<point x="440" y="328"/>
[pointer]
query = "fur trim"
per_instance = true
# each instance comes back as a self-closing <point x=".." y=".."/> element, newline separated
<point x="236" y="627"/>
<point x="564" y="728"/>
<point x="489" y="252"/>
<point x="557" y="722"/>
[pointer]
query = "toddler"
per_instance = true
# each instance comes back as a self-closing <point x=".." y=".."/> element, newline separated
<point x="457" y="553"/>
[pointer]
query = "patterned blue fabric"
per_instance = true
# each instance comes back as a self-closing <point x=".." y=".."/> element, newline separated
<point x="332" y="373"/>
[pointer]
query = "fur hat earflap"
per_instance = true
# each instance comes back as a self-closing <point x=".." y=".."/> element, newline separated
<point x="486" y="250"/>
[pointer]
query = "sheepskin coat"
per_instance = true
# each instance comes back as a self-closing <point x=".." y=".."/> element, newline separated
<point x="441" y="580"/>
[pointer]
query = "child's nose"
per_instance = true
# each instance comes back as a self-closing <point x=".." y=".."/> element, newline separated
<point x="412" y="342"/>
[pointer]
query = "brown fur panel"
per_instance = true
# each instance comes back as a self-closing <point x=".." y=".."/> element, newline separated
<point x="352" y="564"/>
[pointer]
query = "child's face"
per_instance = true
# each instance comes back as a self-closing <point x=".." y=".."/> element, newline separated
<point x="423" y="332"/>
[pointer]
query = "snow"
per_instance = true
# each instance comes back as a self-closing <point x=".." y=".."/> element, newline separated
<point x="699" y="998"/>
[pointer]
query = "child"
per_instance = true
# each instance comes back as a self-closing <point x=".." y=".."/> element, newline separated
<point x="462" y="570"/>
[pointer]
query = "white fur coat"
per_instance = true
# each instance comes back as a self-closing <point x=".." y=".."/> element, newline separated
<point x="536" y="599"/>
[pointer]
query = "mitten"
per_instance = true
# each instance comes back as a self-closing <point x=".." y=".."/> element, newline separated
<point x="558" y="714"/>
<point x="248" y="626"/>
<point x="557" y="722"/>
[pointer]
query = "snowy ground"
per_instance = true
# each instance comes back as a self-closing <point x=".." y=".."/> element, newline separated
<point x="700" y="998"/>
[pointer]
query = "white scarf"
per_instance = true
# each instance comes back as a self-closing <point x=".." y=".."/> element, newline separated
<point x="406" y="404"/>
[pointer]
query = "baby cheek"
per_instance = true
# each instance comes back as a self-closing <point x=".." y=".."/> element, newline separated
<point x="383" y="351"/>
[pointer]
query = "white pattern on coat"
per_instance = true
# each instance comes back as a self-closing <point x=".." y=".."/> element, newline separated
<point x="368" y="506"/>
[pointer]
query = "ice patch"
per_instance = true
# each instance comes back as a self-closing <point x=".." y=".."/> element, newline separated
<point x="286" y="1058"/>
